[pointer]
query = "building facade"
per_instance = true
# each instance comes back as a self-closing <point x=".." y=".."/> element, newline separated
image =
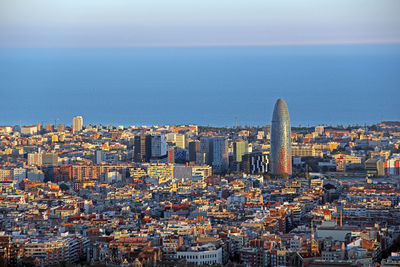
<point x="239" y="149"/>
<point x="142" y="144"/>
<point x="281" y="152"/>
<point x="194" y="148"/>
<point x="77" y="124"/>
<point x="219" y="153"/>
<point x="158" y="146"/>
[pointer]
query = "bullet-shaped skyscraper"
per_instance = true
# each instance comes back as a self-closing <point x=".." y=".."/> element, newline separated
<point x="281" y="150"/>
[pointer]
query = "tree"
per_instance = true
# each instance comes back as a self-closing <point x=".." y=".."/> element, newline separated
<point x="64" y="187"/>
<point x="267" y="176"/>
<point x="324" y="169"/>
<point x="284" y="175"/>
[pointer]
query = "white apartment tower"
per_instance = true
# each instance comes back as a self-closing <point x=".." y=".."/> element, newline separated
<point x="77" y="124"/>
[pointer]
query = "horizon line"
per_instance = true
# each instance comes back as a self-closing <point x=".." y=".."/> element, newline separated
<point x="210" y="45"/>
<point x="296" y="125"/>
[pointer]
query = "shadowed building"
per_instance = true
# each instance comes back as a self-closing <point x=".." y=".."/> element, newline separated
<point x="142" y="151"/>
<point x="254" y="163"/>
<point x="281" y="152"/>
<point x="194" y="148"/>
<point x="219" y="154"/>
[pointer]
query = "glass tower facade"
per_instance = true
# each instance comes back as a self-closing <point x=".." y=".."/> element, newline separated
<point x="281" y="152"/>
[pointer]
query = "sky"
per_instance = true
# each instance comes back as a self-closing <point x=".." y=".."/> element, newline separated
<point x="147" y="23"/>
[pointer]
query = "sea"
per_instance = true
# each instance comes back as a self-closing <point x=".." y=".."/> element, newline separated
<point x="210" y="86"/>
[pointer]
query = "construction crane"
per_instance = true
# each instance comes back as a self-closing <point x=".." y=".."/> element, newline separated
<point x="55" y="122"/>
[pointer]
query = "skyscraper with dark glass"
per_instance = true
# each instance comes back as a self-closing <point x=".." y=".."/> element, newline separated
<point x="142" y="148"/>
<point x="281" y="151"/>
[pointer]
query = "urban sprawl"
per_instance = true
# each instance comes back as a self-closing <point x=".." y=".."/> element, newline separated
<point x="185" y="195"/>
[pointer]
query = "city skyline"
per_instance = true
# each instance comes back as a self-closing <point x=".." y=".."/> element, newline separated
<point x="232" y="126"/>
<point x="185" y="195"/>
<point x="57" y="122"/>
<point x="214" y="133"/>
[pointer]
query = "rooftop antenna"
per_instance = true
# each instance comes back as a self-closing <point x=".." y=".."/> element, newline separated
<point x="235" y="122"/>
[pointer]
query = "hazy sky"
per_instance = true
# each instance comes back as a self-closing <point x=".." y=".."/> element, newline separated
<point x="129" y="23"/>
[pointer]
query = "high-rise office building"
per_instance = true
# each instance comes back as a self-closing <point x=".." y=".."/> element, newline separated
<point x="77" y="124"/>
<point x="205" y="142"/>
<point x="281" y="154"/>
<point x="239" y="149"/>
<point x="180" y="141"/>
<point x="254" y="163"/>
<point x="219" y="153"/>
<point x="194" y="148"/>
<point x="142" y="148"/>
<point x="158" y="146"/>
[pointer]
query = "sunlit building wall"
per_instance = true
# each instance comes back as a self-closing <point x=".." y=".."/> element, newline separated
<point x="281" y="152"/>
<point x="77" y="124"/>
<point x="239" y="149"/>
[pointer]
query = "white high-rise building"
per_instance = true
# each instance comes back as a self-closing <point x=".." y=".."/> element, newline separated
<point x="158" y="146"/>
<point x="77" y="124"/>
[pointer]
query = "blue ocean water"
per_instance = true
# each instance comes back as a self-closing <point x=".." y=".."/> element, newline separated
<point x="353" y="84"/>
